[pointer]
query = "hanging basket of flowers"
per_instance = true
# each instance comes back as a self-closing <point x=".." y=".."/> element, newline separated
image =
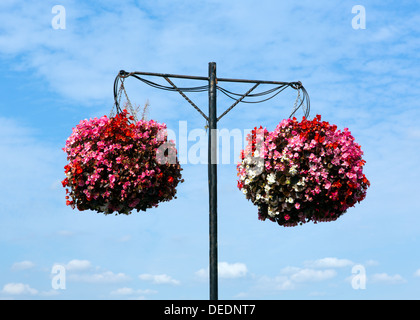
<point x="117" y="165"/>
<point x="302" y="171"/>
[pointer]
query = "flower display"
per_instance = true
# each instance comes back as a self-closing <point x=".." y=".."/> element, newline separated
<point x="116" y="165"/>
<point x="302" y="171"/>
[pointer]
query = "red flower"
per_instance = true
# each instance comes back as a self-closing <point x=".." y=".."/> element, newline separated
<point x="65" y="182"/>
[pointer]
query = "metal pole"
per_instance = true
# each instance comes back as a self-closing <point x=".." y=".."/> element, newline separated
<point x="212" y="166"/>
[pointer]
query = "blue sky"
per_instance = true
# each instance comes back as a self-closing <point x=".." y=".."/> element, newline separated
<point x="363" y="79"/>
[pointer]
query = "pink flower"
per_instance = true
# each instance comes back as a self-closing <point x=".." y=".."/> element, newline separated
<point x="277" y="155"/>
<point x="271" y="146"/>
<point x="351" y="176"/>
<point x="327" y="184"/>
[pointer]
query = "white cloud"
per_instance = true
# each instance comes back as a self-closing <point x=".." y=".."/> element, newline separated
<point x="78" y="265"/>
<point x="104" y="277"/>
<point x="291" y="278"/>
<point x="289" y="270"/>
<point x="18" y="289"/>
<point x="233" y="270"/>
<point x="417" y="273"/>
<point x="23" y="265"/>
<point x="130" y="291"/>
<point x="83" y="271"/>
<point x="226" y="270"/>
<point x="123" y="291"/>
<point x="159" y="279"/>
<point x="278" y="283"/>
<point x="203" y="273"/>
<point x="387" y="279"/>
<point x="311" y="275"/>
<point x="329" y="262"/>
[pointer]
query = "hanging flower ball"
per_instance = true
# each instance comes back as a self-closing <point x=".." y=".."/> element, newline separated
<point x="302" y="171"/>
<point x="119" y="166"/>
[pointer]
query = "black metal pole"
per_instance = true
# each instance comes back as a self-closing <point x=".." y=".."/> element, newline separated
<point x="212" y="165"/>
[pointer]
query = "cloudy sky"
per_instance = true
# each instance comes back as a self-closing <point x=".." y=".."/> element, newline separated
<point x="54" y="73"/>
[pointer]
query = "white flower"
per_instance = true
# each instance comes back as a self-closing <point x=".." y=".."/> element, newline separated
<point x="248" y="159"/>
<point x="290" y="200"/>
<point x="293" y="170"/>
<point x="271" y="178"/>
<point x="301" y="182"/>
<point x="271" y="212"/>
<point x="252" y="174"/>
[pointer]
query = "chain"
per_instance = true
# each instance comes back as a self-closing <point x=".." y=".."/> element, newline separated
<point x="129" y="105"/>
<point x="298" y="100"/>
<point x="111" y="113"/>
<point x="144" y="115"/>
